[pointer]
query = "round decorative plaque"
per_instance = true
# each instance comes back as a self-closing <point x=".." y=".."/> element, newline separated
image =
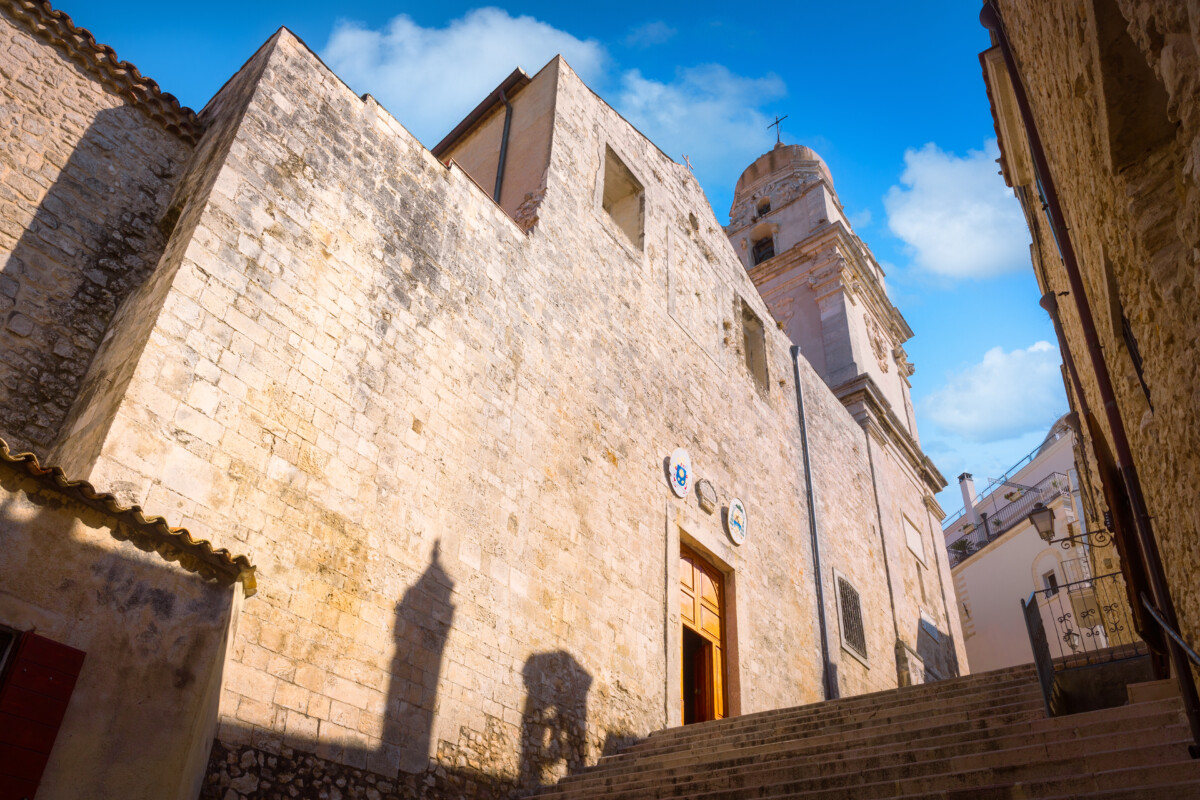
<point x="737" y="521"/>
<point x="680" y="468"/>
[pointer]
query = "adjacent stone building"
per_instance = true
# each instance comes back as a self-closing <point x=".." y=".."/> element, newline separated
<point x="1095" y="105"/>
<point x="523" y="463"/>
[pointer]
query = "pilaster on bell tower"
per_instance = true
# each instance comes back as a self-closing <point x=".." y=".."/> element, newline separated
<point x="825" y="288"/>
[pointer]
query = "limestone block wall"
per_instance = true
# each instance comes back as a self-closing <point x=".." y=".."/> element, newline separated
<point x="1131" y="196"/>
<point x="154" y="636"/>
<point x="850" y="541"/>
<point x="85" y="176"/>
<point x="442" y="442"/>
<point x="107" y="381"/>
<point x="699" y="261"/>
<point x="918" y="566"/>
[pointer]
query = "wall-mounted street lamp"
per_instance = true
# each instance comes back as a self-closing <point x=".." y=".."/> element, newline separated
<point x="1042" y="519"/>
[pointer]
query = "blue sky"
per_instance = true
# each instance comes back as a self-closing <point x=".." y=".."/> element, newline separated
<point x="890" y="94"/>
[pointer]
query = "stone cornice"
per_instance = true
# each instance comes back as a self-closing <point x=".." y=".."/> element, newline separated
<point x="77" y="44"/>
<point x="855" y="270"/>
<point x="870" y="408"/>
<point x="837" y="236"/>
<point x="934" y="507"/>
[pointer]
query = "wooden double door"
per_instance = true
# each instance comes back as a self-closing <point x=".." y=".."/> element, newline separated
<point x="702" y="603"/>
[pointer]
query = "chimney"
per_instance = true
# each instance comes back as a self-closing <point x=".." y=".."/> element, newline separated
<point x="967" y="485"/>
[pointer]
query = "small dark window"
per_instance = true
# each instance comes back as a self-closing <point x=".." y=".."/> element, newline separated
<point x="1051" y="582"/>
<point x="754" y="346"/>
<point x="854" y="637"/>
<point x="763" y="249"/>
<point x="764" y="206"/>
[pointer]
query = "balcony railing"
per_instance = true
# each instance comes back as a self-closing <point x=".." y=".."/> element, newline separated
<point x="1000" y="482"/>
<point x="993" y="525"/>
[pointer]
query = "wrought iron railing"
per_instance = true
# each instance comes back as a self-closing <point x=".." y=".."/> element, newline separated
<point x="1089" y="621"/>
<point x="1187" y="688"/>
<point x="1077" y="625"/>
<point x="1042" y="660"/>
<point x="1007" y="517"/>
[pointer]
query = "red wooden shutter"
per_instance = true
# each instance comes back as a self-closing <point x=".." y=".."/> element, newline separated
<point x="33" y="701"/>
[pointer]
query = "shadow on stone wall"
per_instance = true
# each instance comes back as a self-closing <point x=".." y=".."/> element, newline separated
<point x="935" y="647"/>
<point x="554" y="725"/>
<point x="423" y="619"/>
<point x="93" y="239"/>
<point x="553" y="734"/>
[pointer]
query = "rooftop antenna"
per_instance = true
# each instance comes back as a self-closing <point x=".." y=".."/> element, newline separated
<point x="778" y="128"/>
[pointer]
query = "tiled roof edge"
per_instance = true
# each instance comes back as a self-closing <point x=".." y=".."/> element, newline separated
<point x="146" y="533"/>
<point x="56" y="28"/>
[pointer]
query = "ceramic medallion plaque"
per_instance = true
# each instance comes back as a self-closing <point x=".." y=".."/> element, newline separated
<point x="680" y="468"/>
<point x="737" y="521"/>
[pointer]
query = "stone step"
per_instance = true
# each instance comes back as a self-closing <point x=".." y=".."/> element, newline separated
<point x="1069" y="788"/>
<point x="816" y="716"/>
<point x="945" y="690"/>
<point x="1155" y="728"/>
<point x="884" y="702"/>
<point x="907" y="721"/>
<point x="1127" y="768"/>
<point x="1014" y="747"/>
<point x="981" y="737"/>
<point x="897" y="734"/>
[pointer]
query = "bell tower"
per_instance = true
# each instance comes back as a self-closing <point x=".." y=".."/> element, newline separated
<point x="822" y="283"/>
<point x="826" y="290"/>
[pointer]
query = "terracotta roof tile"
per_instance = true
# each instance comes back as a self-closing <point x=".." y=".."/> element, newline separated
<point x="147" y="533"/>
<point x="56" y="28"/>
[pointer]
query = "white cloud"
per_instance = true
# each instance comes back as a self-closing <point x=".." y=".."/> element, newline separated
<point x="649" y="34"/>
<point x="430" y="78"/>
<point x="708" y="112"/>
<point x="859" y="219"/>
<point x="1006" y="395"/>
<point x="956" y="215"/>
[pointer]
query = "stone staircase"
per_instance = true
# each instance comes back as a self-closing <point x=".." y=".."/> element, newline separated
<point x="983" y="737"/>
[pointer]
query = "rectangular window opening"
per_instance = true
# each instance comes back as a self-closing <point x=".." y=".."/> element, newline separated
<point x="854" y="635"/>
<point x="624" y="198"/>
<point x="764" y="249"/>
<point x="754" y="346"/>
<point x="1050" y="580"/>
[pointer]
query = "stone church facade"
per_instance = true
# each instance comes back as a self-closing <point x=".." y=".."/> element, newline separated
<point x="435" y="415"/>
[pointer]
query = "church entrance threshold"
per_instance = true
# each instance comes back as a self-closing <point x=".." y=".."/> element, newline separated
<point x="702" y="679"/>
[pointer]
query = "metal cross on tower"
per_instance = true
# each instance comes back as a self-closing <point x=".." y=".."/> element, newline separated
<point x="778" y="128"/>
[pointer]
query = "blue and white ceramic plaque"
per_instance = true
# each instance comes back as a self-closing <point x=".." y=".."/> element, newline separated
<point x="680" y="471"/>
<point x="737" y="521"/>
